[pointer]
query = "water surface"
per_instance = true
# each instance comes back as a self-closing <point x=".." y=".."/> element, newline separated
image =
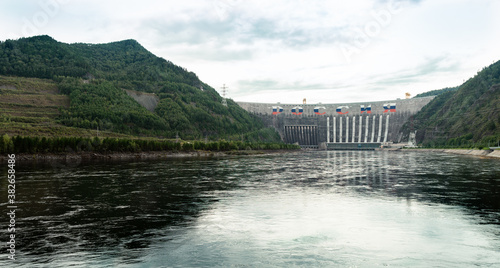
<point x="308" y="209"/>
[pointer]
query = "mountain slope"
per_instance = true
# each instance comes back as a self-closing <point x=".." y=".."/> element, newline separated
<point x="33" y="106"/>
<point x="95" y="77"/>
<point x="468" y="115"/>
<point x="436" y="92"/>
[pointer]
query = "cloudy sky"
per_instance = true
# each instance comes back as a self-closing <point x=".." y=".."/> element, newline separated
<point x="328" y="51"/>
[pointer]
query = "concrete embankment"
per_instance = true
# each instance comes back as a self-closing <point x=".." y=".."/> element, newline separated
<point x="481" y="153"/>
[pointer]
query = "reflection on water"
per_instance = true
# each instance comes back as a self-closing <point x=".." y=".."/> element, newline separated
<point x="303" y="209"/>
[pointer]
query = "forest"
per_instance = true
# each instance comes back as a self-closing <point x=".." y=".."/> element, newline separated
<point x="33" y="145"/>
<point x="468" y="117"/>
<point x="436" y="92"/>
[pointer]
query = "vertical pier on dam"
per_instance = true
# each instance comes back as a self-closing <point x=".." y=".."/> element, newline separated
<point x="358" y="129"/>
<point x="306" y="136"/>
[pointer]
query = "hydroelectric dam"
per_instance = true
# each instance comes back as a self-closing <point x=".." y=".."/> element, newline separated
<point x="358" y="126"/>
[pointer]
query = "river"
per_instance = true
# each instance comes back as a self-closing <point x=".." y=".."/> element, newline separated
<point x="306" y="209"/>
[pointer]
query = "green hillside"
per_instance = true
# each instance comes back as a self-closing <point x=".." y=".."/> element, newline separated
<point x="436" y="92"/>
<point x="92" y="79"/>
<point x="466" y="117"/>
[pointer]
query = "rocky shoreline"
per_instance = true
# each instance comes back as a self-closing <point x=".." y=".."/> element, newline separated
<point x="471" y="152"/>
<point x="125" y="156"/>
<point x="118" y="156"/>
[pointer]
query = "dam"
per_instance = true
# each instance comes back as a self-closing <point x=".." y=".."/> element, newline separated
<point x="358" y="126"/>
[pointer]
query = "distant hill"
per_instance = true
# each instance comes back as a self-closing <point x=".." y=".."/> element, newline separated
<point x="436" y="92"/>
<point x="463" y="117"/>
<point x="95" y="78"/>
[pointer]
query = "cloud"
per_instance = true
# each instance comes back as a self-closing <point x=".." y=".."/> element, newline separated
<point x="269" y="84"/>
<point x="431" y="67"/>
<point x="236" y="37"/>
<point x="193" y="32"/>
<point x="271" y="47"/>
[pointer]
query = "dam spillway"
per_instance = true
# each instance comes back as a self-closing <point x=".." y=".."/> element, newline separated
<point x="363" y="125"/>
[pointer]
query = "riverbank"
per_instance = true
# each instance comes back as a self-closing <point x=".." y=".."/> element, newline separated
<point x="158" y="155"/>
<point x="155" y="155"/>
<point x="471" y="152"/>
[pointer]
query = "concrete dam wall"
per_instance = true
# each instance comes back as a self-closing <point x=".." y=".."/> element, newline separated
<point x="345" y="123"/>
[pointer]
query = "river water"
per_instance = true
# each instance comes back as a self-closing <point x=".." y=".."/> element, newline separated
<point x="307" y="209"/>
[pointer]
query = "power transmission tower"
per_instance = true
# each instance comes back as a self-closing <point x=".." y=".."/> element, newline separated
<point x="224" y="91"/>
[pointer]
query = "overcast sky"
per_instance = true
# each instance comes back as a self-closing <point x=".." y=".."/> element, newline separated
<point x="328" y="51"/>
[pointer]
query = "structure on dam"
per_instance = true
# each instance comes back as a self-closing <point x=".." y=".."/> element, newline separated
<point x="364" y="125"/>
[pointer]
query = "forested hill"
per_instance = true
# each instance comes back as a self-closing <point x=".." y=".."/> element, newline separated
<point x="95" y="77"/>
<point x="436" y="92"/>
<point x="44" y="57"/>
<point x="463" y="117"/>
